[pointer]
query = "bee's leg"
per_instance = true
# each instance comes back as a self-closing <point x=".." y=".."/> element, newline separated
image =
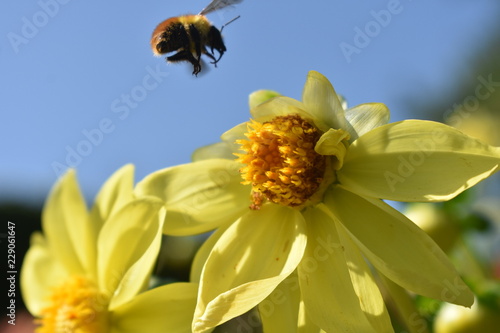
<point x="186" y="56"/>
<point x="196" y="38"/>
<point x="204" y="50"/>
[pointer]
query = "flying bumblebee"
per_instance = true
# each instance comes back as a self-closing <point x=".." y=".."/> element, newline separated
<point x="190" y="35"/>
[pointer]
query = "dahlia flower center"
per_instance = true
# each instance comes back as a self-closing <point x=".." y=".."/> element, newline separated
<point x="281" y="163"/>
<point x="76" y="306"/>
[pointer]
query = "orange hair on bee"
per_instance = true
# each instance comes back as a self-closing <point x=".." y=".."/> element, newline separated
<point x="159" y="32"/>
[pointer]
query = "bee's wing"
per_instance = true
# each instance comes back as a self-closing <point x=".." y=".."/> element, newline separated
<point x="218" y="4"/>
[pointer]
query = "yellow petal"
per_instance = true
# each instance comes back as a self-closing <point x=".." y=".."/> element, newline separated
<point x="364" y="284"/>
<point x="141" y="269"/>
<point x="329" y="296"/>
<point x="416" y="160"/>
<point x="40" y="272"/>
<point x="397" y="247"/>
<point x="365" y="117"/>
<point x="279" y="311"/>
<point x="216" y="150"/>
<point x="322" y="102"/>
<point x="199" y="196"/>
<point x="331" y="143"/>
<point x="235" y="133"/>
<point x="404" y="306"/>
<point x="305" y="323"/>
<point x="251" y="258"/>
<point x="343" y="102"/>
<point x="168" y="308"/>
<point x="123" y="240"/>
<point x="279" y="106"/>
<point x="202" y="254"/>
<point x="261" y="96"/>
<point x="65" y="222"/>
<point x="114" y="194"/>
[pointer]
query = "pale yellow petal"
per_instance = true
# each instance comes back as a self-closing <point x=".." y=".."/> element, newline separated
<point x="166" y="309"/>
<point x="216" y="150"/>
<point x="343" y="102"/>
<point x="40" y="272"/>
<point x="199" y="196"/>
<point x="123" y="240"/>
<point x="65" y="222"/>
<point x="371" y="300"/>
<point x="305" y="323"/>
<point x="416" y="160"/>
<point x="404" y="306"/>
<point x="365" y="117"/>
<point x="329" y="296"/>
<point x="332" y="143"/>
<point x="233" y="134"/>
<point x="247" y="263"/>
<point x="322" y="102"/>
<point x="114" y="194"/>
<point x="279" y="311"/>
<point x="202" y="254"/>
<point x="261" y="96"/>
<point x="141" y="269"/>
<point x="397" y="247"/>
<point x="279" y="106"/>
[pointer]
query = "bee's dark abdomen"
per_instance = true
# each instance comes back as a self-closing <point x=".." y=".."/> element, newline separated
<point x="173" y="38"/>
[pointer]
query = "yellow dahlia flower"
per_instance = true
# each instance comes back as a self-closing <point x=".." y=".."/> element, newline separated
<point x="304" y="197"/>
<point x="89" y="271"/>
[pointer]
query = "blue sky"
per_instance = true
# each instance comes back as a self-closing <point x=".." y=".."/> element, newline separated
<point x="80" y="86"/>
